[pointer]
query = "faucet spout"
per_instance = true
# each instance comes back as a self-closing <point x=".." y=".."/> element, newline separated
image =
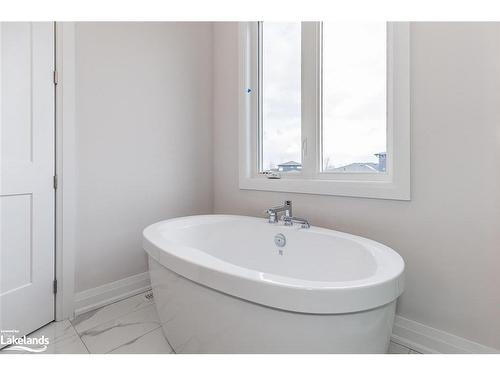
<point x="289" y="220"/>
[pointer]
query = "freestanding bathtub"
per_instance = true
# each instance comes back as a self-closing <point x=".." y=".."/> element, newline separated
<point x="222" y="285"/>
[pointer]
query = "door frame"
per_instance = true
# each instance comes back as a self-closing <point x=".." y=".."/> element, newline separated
<point x="65" y="165"/>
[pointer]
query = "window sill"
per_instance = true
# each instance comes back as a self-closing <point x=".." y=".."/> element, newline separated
<point x="363" y="189"/>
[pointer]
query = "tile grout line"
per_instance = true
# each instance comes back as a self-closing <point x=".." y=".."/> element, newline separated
<point x="406" y="347"/>
<point x="79" y="337"/>
<point x="131" y="341"/>
<point x="166" y="339"/>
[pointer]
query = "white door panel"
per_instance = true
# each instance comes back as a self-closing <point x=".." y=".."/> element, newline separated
<point x="27" y="169"/>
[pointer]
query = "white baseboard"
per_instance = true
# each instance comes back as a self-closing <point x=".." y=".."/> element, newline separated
<point x="103" y="295"/>
<point x="425" y="339"/>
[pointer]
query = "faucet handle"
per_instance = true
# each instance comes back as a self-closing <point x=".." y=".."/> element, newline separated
<point x="272" y="216"/>
<point x="288" y="205"/>
<point x="287" y="220"/>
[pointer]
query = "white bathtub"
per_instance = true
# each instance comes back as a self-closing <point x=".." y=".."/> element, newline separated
<point x="222" y="285"/>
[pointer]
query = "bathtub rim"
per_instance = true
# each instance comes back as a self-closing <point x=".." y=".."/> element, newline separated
<point x="280" y="292"/>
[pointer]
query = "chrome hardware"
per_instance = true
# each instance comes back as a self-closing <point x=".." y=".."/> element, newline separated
<point x="274" y="211"/>
<point x="280" y="240"/>
<point x="289" y="220"/>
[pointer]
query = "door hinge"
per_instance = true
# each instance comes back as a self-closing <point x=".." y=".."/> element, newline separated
<point x="55" y="182"/>
<point x="56" y="77"/>
<point x="54" y="286"/>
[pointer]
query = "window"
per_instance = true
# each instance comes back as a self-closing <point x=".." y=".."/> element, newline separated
<point x="280" y="95"/>
<point x="354" y="97"/>
<point x="324" y="108"/>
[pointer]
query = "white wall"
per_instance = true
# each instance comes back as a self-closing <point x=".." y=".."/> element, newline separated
<point x="449" y="232"/>
<point x="144" y="130"/>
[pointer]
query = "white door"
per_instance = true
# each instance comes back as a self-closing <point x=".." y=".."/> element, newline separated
<point x="26" y="177"/>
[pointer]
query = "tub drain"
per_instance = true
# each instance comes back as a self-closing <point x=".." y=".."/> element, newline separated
<point x="280" y="240"/>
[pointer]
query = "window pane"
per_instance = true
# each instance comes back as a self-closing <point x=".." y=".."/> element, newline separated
<point x="281" y="85"/>
<point x="354" y="96"/>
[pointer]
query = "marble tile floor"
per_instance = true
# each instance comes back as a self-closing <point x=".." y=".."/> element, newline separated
<point x="395" y="348"/>
<point x="129" y="326"/>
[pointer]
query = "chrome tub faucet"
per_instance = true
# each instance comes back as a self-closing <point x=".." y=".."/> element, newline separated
<point x="288" y="218"/>
<point x="274" y="211"/>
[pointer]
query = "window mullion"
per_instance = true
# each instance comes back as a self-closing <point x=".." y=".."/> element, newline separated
<point x="310" y="92"/>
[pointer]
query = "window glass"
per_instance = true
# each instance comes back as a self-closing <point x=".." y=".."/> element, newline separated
<point x="281" y="97"/>
<point x="354" y="97"/>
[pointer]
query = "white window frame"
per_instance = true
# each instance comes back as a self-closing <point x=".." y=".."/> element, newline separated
<point x="392" y="184"/>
